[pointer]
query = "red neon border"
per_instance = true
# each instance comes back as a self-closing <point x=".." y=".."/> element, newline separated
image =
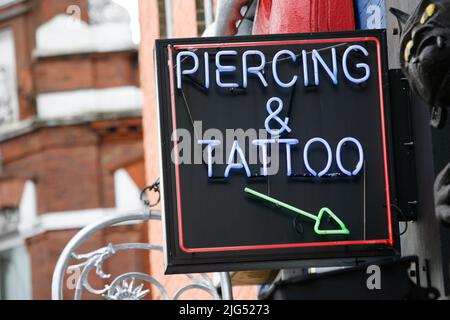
<point x="389" y="241"/>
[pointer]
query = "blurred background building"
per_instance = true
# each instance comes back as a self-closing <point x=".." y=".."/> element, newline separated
<point x="171" y="19"/>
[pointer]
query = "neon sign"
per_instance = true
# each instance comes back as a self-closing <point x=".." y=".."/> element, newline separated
<point x="274" y="149"/>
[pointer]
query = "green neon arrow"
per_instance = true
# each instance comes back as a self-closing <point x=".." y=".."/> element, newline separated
<point x="318" y="219"/>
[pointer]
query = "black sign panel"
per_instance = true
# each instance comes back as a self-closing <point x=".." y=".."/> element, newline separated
<point x="274" y="150"/>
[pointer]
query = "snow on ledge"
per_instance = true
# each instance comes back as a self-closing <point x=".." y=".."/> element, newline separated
<point x="63" y="36"/>
<point x="68" y="104"/>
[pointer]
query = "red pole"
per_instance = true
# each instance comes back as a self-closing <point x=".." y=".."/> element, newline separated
<point x="291" y="16"/>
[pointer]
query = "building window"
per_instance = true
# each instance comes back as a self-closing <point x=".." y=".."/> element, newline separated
<point x="162" y="19"/>
<point x="9" y="107"/>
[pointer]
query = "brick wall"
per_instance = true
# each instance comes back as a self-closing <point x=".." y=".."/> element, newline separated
<point x="149" y="32"/>
<point x="24" y="28"/>
<point x="24" y="44"/>
<point x="73" y="167"/>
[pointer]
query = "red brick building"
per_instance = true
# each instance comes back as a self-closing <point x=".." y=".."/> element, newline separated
<point x="70" y="136"/>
